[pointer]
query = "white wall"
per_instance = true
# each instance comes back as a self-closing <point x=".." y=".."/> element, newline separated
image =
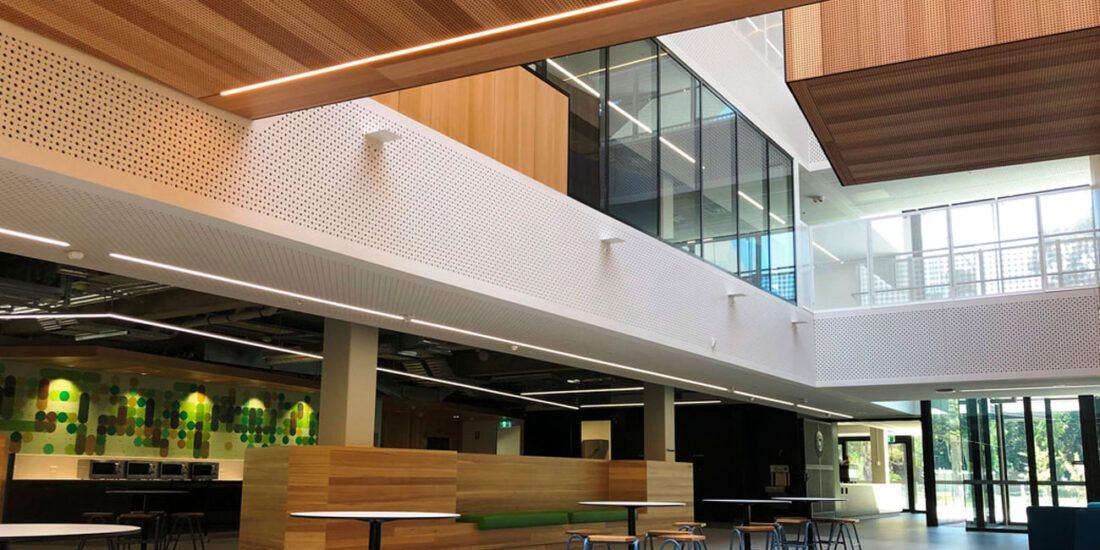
<point x="422" y="226"/>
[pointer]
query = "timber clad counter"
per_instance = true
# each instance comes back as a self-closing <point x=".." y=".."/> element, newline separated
<point x="281" y="480"/>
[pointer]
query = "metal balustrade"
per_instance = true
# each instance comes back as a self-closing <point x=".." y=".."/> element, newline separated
<point x="854" y="266"/>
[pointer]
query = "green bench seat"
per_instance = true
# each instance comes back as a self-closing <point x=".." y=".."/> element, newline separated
<point x="597" y="516"/>
<point x="512" y="520"/>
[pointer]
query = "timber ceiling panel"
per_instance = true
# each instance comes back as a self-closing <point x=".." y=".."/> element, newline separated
<point x="897" y="90"/>
<point x="203" y="47"/>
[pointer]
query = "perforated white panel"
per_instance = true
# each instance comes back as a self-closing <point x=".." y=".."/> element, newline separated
<point x="423" y="205"/>
<point x="1057" y="334"/>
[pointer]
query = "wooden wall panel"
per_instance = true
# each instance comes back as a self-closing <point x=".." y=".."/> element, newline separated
<point x="899" y="90"/>
<point x="493" y="483"/>
<point x="280" y="480"/>
<point x="510" y="115"/>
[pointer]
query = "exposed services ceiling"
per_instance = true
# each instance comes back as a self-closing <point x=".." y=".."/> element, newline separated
<point x="206" y="47"/>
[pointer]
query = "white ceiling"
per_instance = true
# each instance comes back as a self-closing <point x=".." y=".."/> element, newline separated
<point x="892" y="197"/>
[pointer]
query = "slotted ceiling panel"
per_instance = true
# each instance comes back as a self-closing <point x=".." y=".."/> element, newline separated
<point x="203" y="47"/>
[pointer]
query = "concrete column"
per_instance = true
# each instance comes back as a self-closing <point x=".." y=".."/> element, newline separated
<point x="660" y="423"/>
<point x="349" y="384"/>
<point x="880" y="458"/>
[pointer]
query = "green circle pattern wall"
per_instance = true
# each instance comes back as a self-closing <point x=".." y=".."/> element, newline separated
<point x="48" y="410"/>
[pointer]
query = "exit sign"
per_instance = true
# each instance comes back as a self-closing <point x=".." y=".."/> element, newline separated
<point x="505" y="423"/>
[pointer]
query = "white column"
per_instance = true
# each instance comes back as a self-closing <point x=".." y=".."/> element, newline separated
<point x="349" y="384"/>
<point x="660" y="423"/>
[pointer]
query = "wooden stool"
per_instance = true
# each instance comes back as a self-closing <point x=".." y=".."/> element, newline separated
<point x="98" y="517"/>
<point x="743" y="531"/>
<point x="842" y="531"/>
<point x="693" y="527"/>
<point x="186" y="523"/>
<point x="654" y="534"/>
<point x="677" y="541"/>
<point x="805" y="535"/>
<point x="625" y="540"/>
<point x="579" y="534"/>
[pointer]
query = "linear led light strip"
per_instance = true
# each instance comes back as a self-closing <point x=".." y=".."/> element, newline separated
<point x="1031" y="388"/>
<point x="598" y="390"/>
<point x="826" y="252"/>
<point x="634" y="405"/>
<point x="28" y="236"/>
<point x="164" y="326"/>
<point x="822" y="411"/>
<point x="474" y="388"/>
<point x="446" y="328"/>
<point x="433" y="45"/>
<point x="645" y="128"/>
<point x="763" y="398"/>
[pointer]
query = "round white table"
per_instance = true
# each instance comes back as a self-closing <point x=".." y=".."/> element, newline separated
<point x="51" y="532"/>
<point x="376" y="519"/>
<point x="631" y="508"/>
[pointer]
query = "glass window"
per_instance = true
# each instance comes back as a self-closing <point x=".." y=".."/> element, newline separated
<point x="581" y="76"/>
<point x="718" y="203"/>
<point x="781" y="280"/>
<point x="1067" y="212"/>
<point x="1018" y="223"/>
<point x="859" y="460"/>
<point x="839" y="253"/>
<point x="632" y="187"/>
<point x="752" y="219"/>
<point x="974" y="235"/>
<point x="678" y="151"/>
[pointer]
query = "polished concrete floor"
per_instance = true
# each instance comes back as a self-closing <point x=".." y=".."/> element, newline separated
<point x="902" y="532"/>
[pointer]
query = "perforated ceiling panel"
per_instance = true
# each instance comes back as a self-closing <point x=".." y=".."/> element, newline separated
<point x="422" y="206"/>
<point x="1056" y="334"/>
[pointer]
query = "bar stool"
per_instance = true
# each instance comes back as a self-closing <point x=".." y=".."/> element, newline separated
<point x="842" y="531"/>
<point x="98" y="517"/>
<point x="743" y="531"/>
<point x="804" y="532"/>
<point x="652" y="535"/>
<point x="186" y="523"/>
<point x="679" y="539"/>
<point x="693" y="527"/>
<point x="150" y="523"/>
<point x="628" y="541"/>
<point x="579" y="534"/>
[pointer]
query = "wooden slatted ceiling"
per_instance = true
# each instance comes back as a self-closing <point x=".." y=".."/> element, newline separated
<point x="900" y="90"/>
<point x="202" y="47"/>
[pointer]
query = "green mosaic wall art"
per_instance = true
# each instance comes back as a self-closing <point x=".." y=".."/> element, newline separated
<point x="47" y="410"/>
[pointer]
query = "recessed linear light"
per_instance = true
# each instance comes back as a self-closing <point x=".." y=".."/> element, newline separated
<point x="30" y="237"/>
<point x="164" y="326"/>
<point x="569" y="355"/>
<point x="433" y="45"/>
<point x="247" y="284"/>
<point x="635" y="405"/>
<point x="408" y="319"/>
<point x="1031" y="388"/>
<point x="474" y="388"/>
<point x="826" y="252"/>
<point x="599" y="390"/>
<point x="763" y="398"/>
<point x="822" y="411"/>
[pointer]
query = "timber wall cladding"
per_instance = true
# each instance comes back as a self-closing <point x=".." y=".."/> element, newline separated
<point x="510" y="115"/>
<point x="278" y="481"/>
